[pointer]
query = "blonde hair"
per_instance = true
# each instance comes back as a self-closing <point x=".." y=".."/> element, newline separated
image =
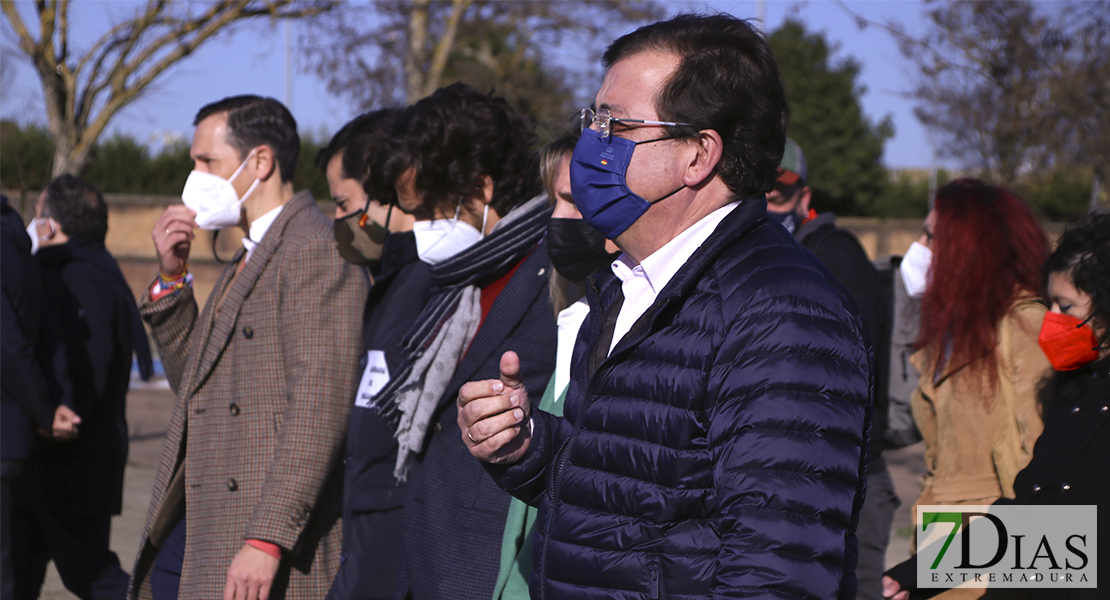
<point x="561" y="290"/>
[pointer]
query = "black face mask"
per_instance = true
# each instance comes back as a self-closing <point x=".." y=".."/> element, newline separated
<point x="575" y="248"/>
<point x="789" y="220"/>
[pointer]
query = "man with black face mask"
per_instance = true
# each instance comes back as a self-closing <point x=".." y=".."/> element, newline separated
<point x="378" y="237"/>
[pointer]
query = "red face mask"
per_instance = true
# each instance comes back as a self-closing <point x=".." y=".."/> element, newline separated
<point x="1068" y="342"/>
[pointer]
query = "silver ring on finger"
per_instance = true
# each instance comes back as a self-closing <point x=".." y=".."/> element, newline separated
<point x="471" y="438"/>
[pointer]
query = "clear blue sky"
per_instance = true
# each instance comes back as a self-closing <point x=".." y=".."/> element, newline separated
<point x="253" y="61"/>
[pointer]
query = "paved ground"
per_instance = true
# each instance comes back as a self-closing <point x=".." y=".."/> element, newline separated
<point x="148" y="413"/>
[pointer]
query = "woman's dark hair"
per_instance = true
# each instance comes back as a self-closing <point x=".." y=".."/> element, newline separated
<point x="254" y="121"/>
<point x="1084" y="254"/>
<point x="988" y="248"/>
<point x="358" y="140"/>
<point x="454" y="139"/>
<point x="727" y="81"/>
<point x="78" y="208"/>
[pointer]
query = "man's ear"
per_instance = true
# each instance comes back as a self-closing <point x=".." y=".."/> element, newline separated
<point x="803" y="202"/>
<point x="265" y="163"/>
<point x="487" y="189"/>
<point x="708" y="150"/>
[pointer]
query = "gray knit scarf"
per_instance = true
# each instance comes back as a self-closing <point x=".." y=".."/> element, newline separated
<point x="435" y="345"/>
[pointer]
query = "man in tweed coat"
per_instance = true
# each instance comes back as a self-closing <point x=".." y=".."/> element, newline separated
<point x="245" y="503"/>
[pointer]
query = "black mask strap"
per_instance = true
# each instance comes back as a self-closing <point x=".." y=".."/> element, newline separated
<point x="679" y="189"/>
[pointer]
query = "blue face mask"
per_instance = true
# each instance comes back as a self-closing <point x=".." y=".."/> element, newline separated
<point x="597" y="181"/>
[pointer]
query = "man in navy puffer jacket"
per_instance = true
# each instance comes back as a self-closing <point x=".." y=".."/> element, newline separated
<point x="715" y="436"/>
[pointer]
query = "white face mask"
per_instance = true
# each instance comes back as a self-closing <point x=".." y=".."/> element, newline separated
<point x="915" y="268"/>
<point x="33" y="232"/>
<point x="213" y="198"/>
<point x="440" y="239"/>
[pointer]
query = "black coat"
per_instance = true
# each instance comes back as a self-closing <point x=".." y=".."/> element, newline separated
<point x="90" y="329"/>
<point x="398" y="295"/>
<point x="1069" y="459"/>
<point x="23" y="404"/>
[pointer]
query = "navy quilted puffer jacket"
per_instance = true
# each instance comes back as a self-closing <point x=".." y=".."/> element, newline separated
<point x="719" y="450"/>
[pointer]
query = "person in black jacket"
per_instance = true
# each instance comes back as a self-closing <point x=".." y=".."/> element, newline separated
<point x="68" y="492"/>
<point x="24" y="405"/>
<point x="378" y="237"/>
<point x="717" y="415"/>
<point x="841" y="252"/>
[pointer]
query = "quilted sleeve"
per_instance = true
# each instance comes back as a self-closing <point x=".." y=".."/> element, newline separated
<point x="787" y="436"/>
<point x="321" y="303"/>
<point x="527" y="479"/>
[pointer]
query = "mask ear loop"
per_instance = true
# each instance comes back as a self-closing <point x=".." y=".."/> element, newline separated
<point x="366" y="215"/>
<point x="241" y="167"/>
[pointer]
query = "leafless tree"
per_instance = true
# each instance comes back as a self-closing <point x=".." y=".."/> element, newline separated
<point x="83" y="90"/>
<point x="1014" y="89"/>
<point x="395" y="52"/>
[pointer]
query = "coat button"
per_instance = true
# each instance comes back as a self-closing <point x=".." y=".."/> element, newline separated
<point x="233" y="408"/>
<point x="248" y="332"/>
<point x="1065" y="488"/>
<point x="232" y="485"/>
<point x="438" y="428"/>
<point x="1075" y="410"/>
<point x="1036" y="488"/>
<point x="1104" y="409"/>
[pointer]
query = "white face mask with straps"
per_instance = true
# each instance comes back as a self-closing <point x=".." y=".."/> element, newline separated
<point x="440" y="239"/>
<point x="214" y="199"/>
<point x="33" y="231"/>
<point x="915" y="268"/>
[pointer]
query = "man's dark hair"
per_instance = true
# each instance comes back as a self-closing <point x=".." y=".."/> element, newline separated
<point x="358" y="140"/>
<point x="454" y="138"/>
<point x="727" y="81"/>
<point x="254" y="121"/>
<point x="78" y="208"/>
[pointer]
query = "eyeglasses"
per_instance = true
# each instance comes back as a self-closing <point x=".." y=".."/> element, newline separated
<point x="604" y="118"/>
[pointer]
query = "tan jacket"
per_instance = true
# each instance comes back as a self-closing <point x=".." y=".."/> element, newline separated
<point x="973" y="448"/>
<point x="974" y="451"/>
<point x="264" y="378"/>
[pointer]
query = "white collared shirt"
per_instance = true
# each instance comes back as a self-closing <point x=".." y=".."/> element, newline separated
<point x="569" y="322"/>
<point x="258" y="229"/>
<point x="642" y="283"/>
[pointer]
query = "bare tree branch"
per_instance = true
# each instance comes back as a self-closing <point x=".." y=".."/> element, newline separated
<point x="443" y="47"/>
<point x="83" y="95"/>
<point x="401" y="51"/>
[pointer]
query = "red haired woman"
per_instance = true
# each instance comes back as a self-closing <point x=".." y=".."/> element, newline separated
<point x="978" y="354"/>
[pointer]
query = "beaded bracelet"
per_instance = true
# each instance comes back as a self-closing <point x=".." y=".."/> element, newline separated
<point x="176" y="283"/>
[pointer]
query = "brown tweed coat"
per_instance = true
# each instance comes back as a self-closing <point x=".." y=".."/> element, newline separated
<point x="264" y="380"/>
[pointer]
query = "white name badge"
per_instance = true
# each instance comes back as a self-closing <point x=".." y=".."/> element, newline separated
<point x="374" y="378"/>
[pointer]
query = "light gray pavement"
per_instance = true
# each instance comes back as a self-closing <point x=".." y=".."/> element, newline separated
<point x="148" y="414"/>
